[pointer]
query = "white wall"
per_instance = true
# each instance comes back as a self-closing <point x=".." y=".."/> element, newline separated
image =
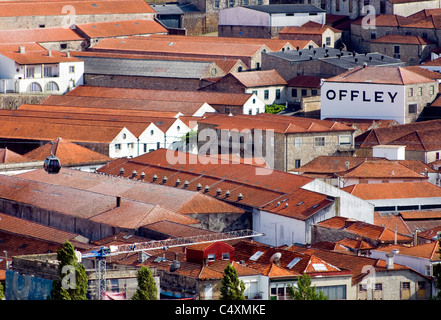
<point x="204" y="109"/>
<point x="336" y="101"/>
<point x="389" y="152"/>
<point x="151" y="136"/>
<point x="256" y="285"/>
<point x="123" y="139"/>
<point x="350" y="206"/>
<point x="175" y="133"/>
<point x="255" y="104"/>
<point x="239" y="16"/>
<point x="282" y="20"/>
<point x="271" y="95"/>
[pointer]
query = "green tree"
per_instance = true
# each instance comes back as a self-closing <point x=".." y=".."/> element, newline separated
<point x="72" y="284"/>
<point x="304" y="290"/>
<point x="146" y="285"/>
<point x="2" y="295"/>
<point x="232" y="288"/>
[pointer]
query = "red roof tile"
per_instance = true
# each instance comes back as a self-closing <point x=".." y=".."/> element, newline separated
<point x="121" y="28"/>
<point x="8" y="156"/>
<point x="39" y="35"/>
<point x="403" y="39"/>
<point x="38" y="57"/>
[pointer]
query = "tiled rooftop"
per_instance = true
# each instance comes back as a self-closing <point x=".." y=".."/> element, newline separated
<point x="121" y="28"/>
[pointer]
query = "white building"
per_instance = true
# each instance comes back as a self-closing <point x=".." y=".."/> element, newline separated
<point x="39" y="71"/>
<point x="389" y="93"/>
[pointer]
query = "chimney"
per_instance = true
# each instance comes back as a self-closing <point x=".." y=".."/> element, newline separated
<point x="68" y="54"/>
<point x="415" y="237"/>
<point x="21" y="49"/>
<point x="347" y="165"/>
<point x="390" y="259"/>
<point x="49" y="53"/>
<point x="118" y="201"/>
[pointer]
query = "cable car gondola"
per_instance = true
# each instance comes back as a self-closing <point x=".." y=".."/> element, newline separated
<point x="52" y="164"/>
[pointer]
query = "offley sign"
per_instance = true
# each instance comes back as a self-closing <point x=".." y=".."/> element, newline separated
<point x="361" y="95"/>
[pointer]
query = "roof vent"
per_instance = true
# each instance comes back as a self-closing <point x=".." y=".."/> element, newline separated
<point x="347" y="165"/>
<point x="218" y="191"/>
<point x="121" y="171"/>
<point x="186" y="183"/>
<point x="49" y="53"/>
<point x="239" y="196"/>
<point x="134" y="173"/>
<point x="278" y="203"/>
<point x="286" y="205"/>
<point x="164" y="180"/>
<point x="207" y="188"/>
<point x="199" y="187"/>
<point x="142" y="175"/>
<point x="178" y="182"/>
<point x="227" y="194"/>
<point x="155" y="178"/>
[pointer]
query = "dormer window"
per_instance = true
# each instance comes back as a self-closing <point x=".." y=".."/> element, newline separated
<point x="211" y="257"/>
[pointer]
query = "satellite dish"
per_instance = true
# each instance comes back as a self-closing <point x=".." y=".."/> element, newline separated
<point x="175" y="266"/>
<point x="275" y="257"/>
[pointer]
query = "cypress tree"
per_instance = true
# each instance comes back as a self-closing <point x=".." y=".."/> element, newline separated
<point x="146" y="285"/>
<point x="304" y="290"/>
<point x="232" y="288"/>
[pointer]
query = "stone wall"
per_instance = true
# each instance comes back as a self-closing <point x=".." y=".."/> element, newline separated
<point x="13" y="101"/>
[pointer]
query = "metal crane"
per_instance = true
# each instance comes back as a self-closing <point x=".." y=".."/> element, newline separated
<point x="101" y="253"/>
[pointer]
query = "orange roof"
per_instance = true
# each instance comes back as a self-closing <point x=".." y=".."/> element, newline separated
<point x="259" y="78"/>
<point x="120" y="28"/>
<point x="310" y="27"/>
<point x="82" y="7"/>
<point x="397" y="190"/>
<point x="402" y="39"/>
<point x="8" y="156"/>
<point x="420" y="140"/>
<point x="39" y="35"/>
<point x="391" y="221"/>
<point x="67" y="152"/>
<point x="427" y="251"/>
<point x="387" y="20"/>
<point x="388" y="75"/>
<point x="38" y="57"/>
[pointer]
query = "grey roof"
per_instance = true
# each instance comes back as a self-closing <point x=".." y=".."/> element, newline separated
<point x="286" y="8"/>
<point x="146" y="68"/>
<point x="167" y="9"/>
<point x="343" y="59"/>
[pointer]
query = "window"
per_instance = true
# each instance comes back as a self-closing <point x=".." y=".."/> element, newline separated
<point x="71" y="69"/>
<point x="259" y="2"/>
<point x="410" y="92"/>
<point x="226" y="256"/>
<point x="211" y="257"/>
<point x="266" y="94"/>
<point x="63" y="46"/>
<point x="351" y="6"/>
<point x="328" y="41"/>
<point x="118" y="146"/>
<point x="250" y="111"/>
<point x="30" y="72"/>
<point x="34" y="87"/>
<point x="432" y="90"/>
<point x="216" y="3"/>
<point x="383" y="7"/>
<point x="131" y="145"/>
<point x="362" y="287"/>
<point x="413" y="108"/>
<point x="298" y="142"/>
<point x="373" y="35"/>
<point x="51" y="86"/>
<point x="231" y="3"/>
<point x="420" y="91"/>
<point x="304" y="92"/>
<point x="48" y="71"/>
<point x="344" y="140"/>
<point x="396" y="49"/>
<point x="337" y="5"/>
<point x="277" y="94"/>
<point x="334" y="292"/>
<point x="245" y="2"/>
<point x="297" y="163"/>
<point x="378" y="287"/>
<point x="314" y="92"/>
<point x="319" y="141"/>
<point x="405" y="285"/>
<point x="294" y="93"/>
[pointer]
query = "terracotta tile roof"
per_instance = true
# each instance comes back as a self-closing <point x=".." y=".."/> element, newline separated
<point x="435" y="62"/>
<point x="387" y="20"/>
<point x="165" y="47"/>
<point x="425" y="13"/>
<point x="430" y="234"/>
<point x="32" y="230"/>
<point x="391" y="221"/>
<point x="67" y="152"/>
<point x="403" y="39"/>
<point x="272" y="44"/>
<point x="426" y="251"/>
<point x="425" y="72"/>
<point x="397" y="190"/>
<point x="388" y="75"/>
<point x="420" y="140"/>
<point x="174" y="229"/>
<point x="383" y="136"/>
<point x="420" y="214"/>
<point x="82" y="7"/>
<point x="310" y="27"/>
<point x="212" y="98"/>
<point x="382" y="169"/>
<point x="305" y="81"/>
<point x="8" y="156"/>
<point x="120" y="28"/>
<point x="39" y="35"/>
<point x="38" y="57"/>
<point x="278" y="123"/>
<point x="262" y="78"/>
<point x="174" y="199"/>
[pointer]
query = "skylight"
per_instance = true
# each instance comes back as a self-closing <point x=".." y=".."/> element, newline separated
<point x="256" y="256"/>
<point x="319" y="267"/>
<point x="293" y="263"/>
